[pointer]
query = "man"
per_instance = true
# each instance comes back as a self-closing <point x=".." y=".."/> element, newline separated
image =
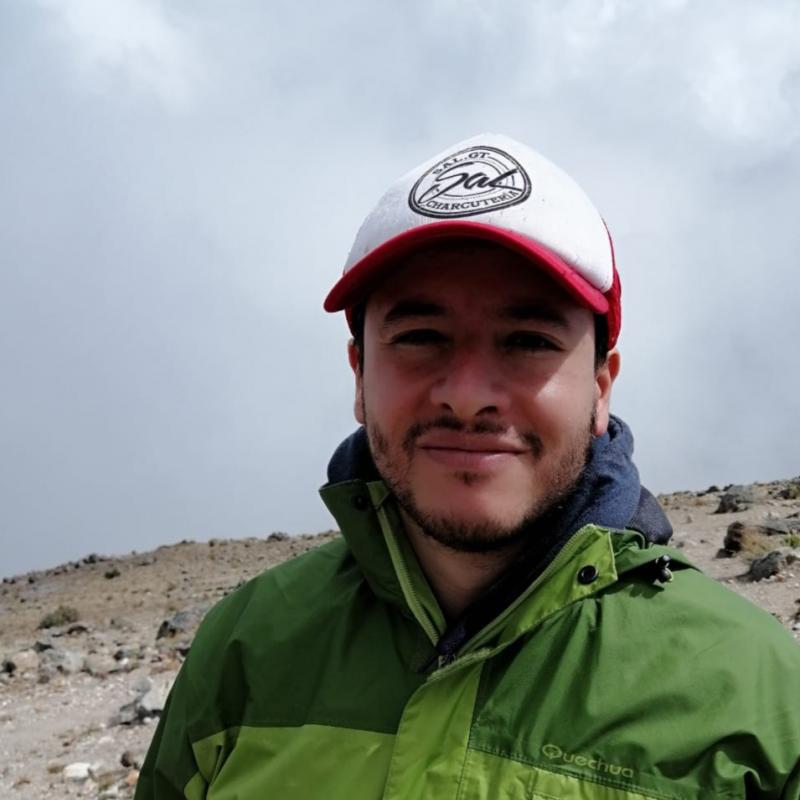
<point x="501" y="617"/>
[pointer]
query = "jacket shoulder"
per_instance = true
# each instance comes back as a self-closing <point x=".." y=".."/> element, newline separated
<point x="301" y="585"/>
<point x="699" y="608"/>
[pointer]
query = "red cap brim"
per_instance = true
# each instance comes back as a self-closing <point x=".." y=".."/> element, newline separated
<point x="354" y="286"/>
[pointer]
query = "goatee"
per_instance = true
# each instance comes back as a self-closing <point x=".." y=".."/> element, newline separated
<point x="481" y="536"/>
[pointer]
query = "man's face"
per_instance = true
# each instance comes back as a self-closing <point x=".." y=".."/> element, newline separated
<point x="479" y="392"/>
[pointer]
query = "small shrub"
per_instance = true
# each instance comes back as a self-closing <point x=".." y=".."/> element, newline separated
<point x="793" y="540"/>
<point x="792" y="491"/>
<point x="63" y="615"/>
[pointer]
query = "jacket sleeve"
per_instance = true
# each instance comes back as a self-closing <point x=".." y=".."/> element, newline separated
<point x="170" y="770"/>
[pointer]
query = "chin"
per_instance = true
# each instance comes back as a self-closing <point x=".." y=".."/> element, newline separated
<point x="473" y="505"/>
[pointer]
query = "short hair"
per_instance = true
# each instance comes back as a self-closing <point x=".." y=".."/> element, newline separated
<point x="359" y="313"/>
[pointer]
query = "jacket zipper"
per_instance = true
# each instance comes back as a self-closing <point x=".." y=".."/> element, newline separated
<point x="472" y="647"/>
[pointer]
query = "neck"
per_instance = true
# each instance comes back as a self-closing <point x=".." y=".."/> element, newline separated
<point x="457" y="578"/>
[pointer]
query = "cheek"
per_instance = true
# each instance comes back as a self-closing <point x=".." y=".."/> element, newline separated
<point x="390" y="399"/>
<point x="561" y="404"/>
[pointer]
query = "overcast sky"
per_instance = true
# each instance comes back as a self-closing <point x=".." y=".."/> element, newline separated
<point x="180" y="184"/>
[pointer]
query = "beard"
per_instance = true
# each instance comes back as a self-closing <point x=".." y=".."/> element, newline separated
<point x="551" y="490"/>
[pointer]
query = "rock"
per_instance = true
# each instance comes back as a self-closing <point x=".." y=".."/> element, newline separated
<point x="67" y="662"/>
<point x="128" y="653"/>
<point x="184" y="622"/>
<point x="125" y="716"/>
<point x="127" y="759"/>
<point x="768" y="565"/>
<point x="142" y="685"/>
<point x="77" y="772"/>
<point x="278" y="536"/>
<point x="24" y="661"/>
<point x="152" y="703"/>
<point x="148" y="704"/>
<point x="111" y="573"/>
<point x="75" y="629"/>
<point x="100" y="666"/>
<point x="735" y="498"/>
<point x="131" y="778"/>
<point x="752" y="537"/>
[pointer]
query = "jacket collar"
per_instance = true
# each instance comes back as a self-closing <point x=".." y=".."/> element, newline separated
<point x="608" y="495"/>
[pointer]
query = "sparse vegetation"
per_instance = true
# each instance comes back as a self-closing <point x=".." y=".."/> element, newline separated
<point x="792" y="491"/>
<point x="63" y="615"/>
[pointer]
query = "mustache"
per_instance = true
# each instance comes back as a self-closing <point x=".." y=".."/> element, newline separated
<point x="531" y="439"/>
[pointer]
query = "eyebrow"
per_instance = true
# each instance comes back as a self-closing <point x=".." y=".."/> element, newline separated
<point x="534" y="312"/>
<point x="412" y="308"/>
<point x="518" y="312"/>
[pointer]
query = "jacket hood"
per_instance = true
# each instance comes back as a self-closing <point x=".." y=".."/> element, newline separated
<point x="608" y="493"/>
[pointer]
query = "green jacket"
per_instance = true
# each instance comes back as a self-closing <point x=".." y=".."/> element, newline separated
<point x="319" y="679"/>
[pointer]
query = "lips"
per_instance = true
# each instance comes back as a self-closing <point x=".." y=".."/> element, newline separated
<point x="473" y="452"/>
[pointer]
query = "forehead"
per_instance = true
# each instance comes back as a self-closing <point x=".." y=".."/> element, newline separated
<point x="470" y="277"/>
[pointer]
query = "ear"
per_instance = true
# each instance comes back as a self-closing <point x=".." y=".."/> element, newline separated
<point x="353" y="358"/>
<point x="604" y="379"/>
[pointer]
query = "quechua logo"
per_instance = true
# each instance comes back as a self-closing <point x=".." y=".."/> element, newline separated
<point x="471" y="181"/>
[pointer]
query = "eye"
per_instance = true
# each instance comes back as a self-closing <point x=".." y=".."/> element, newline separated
<point x="529" y="341"/>
<point x="420" y="336"/>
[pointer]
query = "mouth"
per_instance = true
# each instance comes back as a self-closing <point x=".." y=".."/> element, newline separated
<point x="469" y="452"/>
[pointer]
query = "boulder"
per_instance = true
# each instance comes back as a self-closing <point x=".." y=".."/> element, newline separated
<point x="151" y="697"/>
<point x="182" y="623"/>
<point x="752" y="537"/>
<point x="771" y="564"/>
<point x="735" y="498"/>
<point x="152" y="703"/>
<point x="57" y="659"/>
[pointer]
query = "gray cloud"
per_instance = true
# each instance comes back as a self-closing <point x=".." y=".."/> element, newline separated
<point x="181" y="186"/>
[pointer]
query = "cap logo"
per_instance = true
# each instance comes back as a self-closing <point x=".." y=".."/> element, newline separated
<point x="469" y="182"/>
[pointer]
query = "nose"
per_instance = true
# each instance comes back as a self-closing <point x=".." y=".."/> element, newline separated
<point x="471" y="385"/>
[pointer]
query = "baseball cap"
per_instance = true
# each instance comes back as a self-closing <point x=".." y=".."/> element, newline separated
<point x="493" y="188"/>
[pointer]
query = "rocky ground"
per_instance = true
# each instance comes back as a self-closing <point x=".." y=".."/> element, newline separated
<point x="88" y="650"/>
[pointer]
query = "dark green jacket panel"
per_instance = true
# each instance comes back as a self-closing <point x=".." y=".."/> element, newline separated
<point x="684" y="684"/>
<point x="170" y="763"/>
<point x="307" y="643"/>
